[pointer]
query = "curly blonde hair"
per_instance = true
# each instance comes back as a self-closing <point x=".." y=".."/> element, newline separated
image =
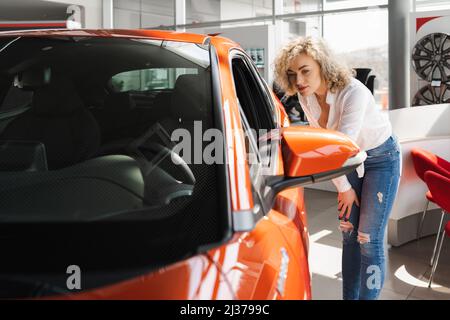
<point x="337" y="75"/>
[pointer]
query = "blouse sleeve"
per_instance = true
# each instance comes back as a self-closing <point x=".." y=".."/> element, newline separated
<point x="353" y="110"/>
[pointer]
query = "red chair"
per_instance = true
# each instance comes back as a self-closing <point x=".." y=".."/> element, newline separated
<point x="424" y="161"/>
<point x="439" y="186"/>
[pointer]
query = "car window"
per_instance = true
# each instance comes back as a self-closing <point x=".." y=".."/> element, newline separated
<point x="253" y="158"/>
<point x="256" y="105"/>
<point x="89" y="174"/>
<point x="148" y="79"/>
<point x="255" y="101"/>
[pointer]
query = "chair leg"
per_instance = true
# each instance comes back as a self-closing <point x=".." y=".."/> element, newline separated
<point x="437" y="238"/>
<point x="419" y="229"/>
<point x="433" y="270"/>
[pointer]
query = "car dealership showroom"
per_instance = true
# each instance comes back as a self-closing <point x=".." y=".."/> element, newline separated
<point x="225" y="150"/>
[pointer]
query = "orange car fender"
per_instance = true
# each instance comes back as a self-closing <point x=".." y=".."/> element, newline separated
<point x="298" y="252"/>
<point x="291" y="204"/>
<point x="262" y="265"/>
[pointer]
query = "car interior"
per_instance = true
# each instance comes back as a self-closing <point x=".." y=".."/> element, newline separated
<point x="75" y="145"/>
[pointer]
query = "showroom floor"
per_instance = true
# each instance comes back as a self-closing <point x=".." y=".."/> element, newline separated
<point x="407" y="266"/>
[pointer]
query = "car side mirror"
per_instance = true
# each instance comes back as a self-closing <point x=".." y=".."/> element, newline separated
<point x="312" y="155"/>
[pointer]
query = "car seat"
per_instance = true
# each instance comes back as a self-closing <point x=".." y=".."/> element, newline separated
<point x="58" y="119"/>
<point x="363" y="75"/>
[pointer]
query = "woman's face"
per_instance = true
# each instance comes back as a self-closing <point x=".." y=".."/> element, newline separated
<point x="304" y="74"/>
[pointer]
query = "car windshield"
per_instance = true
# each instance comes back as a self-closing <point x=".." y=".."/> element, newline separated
<point x="86" y="125"/>
<point x="86" y="151"/>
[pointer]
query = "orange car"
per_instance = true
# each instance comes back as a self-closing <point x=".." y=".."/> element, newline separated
<point x="151" y="165"/>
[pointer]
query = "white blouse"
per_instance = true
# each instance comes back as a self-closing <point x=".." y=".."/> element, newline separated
<point x="353" y="112"/>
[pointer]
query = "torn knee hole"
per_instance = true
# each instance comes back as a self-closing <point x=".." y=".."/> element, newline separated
<point x="380" y="197"/>
<point x="363" y="237"/>
<point x="346" y="226"/>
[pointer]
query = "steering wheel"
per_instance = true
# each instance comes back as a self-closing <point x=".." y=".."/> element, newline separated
<point x="160" y="186"/>
<point x="162" y="153"/>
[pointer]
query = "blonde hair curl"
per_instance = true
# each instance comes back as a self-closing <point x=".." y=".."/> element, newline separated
<point x="336" y="74"/>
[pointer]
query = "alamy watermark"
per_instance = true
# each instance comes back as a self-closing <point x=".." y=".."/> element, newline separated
<point x="374" y="280"/>
<point x="73" y="281"/>
<point x="207" y="147"/>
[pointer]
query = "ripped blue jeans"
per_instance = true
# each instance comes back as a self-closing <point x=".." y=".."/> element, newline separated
<point x="363" y="256"/>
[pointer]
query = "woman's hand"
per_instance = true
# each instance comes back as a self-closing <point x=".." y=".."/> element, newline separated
<point x="345" y="203"/>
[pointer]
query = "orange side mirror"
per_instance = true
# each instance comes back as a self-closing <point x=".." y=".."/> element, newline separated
<point x="311" y="155"/>
<point x="308" y="151"/>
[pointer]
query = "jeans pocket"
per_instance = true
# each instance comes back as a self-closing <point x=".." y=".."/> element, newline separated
<point x="379" y="155"/>
<point x="388" y="149"/>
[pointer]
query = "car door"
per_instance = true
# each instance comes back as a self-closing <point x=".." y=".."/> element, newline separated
<point x="262" y="264"/>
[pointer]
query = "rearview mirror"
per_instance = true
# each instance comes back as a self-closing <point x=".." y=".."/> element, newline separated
<point x="312" y="155"/>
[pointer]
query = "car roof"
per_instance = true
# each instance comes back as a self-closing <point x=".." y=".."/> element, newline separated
<point x="113" y="33"/>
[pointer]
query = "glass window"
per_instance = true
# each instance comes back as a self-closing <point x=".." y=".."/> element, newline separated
<point x="308" y="26"/>
<point x="129" y="14"/>
<point x="256" y="106"/>
<point x="346" y="4"/>
<point x="136" y="101"/>
<point x="134" y="5"/>
<point x="148" y="79"/>
<point x="198" y="11"/>
<point x="126" y="19"/>
<point x="297" y="6"/>
<point x="370" y="50"/>
<point x="429" y="5"/>
<point x="238" y="9"/>
<point x="254" y="99"/>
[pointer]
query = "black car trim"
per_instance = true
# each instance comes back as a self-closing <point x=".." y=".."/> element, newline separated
<point x="223" y="177"/>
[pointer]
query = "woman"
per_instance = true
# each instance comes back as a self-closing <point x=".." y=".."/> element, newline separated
<point x="331" y="98"/>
